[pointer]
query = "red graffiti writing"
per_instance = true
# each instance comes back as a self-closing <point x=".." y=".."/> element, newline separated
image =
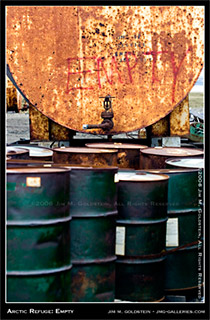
<point x="100" y="68"/>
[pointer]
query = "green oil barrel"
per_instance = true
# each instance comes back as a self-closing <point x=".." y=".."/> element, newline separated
<point x="184" y="215"/>
<point x="182" y="270"/>
<point x="38" y="235"/>
<point x="93" y="208"/>
<point x="140" y="280"/>
<point x="140" y="236"/>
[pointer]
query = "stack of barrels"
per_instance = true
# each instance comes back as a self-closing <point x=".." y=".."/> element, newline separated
<point x="87" y="225"/>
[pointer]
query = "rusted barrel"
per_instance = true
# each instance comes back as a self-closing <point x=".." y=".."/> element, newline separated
<point x="93" y="207"/>
<point x="140" y="236"/>
<point x="38" y="153"/>
<point x="182" y="228"/>
<point x="17" y="153"/>
<point x="38" y="235"/>
<point x="85" y="156"/>
<point x="154" y="158"/>
<point x="128" y="154"/>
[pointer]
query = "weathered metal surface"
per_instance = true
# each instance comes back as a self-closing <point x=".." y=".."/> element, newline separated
<point x="93" y="282"/>
<point x="161" y="128"/>
<point x="140" y="280"/>
<point x="38" y="235"/>
<point x="175" y="124"/>
<point x="182" y="163"/>
<point x="93" y="238"/>
<point x="93" y="191"/>
<point x="85" y="156"/>
<point x="181" y="270"/>
<point x="40" y="287"/>
<point x="44" y="129"/>
<point x="143" y="238"/>
<point x="180" y="119"/>
<point x="11" y="97"/>
<point x="17" y="153"/>
<point x="154" y="158"/>
<point x="148" y="58"/>
<point x="127" y="156"/>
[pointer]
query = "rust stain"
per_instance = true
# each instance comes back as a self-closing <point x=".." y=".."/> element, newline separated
<point x="65" y="58"/>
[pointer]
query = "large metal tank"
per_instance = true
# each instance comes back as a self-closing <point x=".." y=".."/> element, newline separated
<point x="93" y="208"/>
<point x="38" y="235"/>
<point x="127" y="156"/>
<point x="141" y="236"/>
<point x="85" y="156"/>
<point x="146" y="57"/>
<point x="154" y="158"/>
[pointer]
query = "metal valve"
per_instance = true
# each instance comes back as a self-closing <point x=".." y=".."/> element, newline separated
<point x="107" y="116"/>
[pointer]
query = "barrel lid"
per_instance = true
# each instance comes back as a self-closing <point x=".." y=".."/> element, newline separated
<point x="36" y="151"/>
<point x="116" y="145"/>
<point x="141" y="177"/>
<point x="26" y="170"/>
<point x="173" y="152"/>
<point x="15" y="150"/>
<point x="83" y="150"/>
<point x="187" y="163"/>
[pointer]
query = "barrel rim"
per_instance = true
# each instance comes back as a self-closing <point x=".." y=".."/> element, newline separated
<point x="39" y="272"/>
<point x="83" y="150"/>
<point x="36" y="170"/>
<point x="171" y="171"/>
<point x="136" y="177"/>
<point x="16" y="151"/>
<point x="116" y="145"/>
<point x="88" y="168"/>
<point x="162" y="151"/>
<point x="30" y="147"/>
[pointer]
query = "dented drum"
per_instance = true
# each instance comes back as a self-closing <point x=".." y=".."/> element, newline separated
<point x="128" y="155"/>
<point x="154" y="158"/>
<point x="38" y="235"/>
<point x="85" y="156"/>
<point x="141" y="234"/>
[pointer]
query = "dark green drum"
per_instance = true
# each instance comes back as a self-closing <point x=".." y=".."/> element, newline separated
<point x="140" y="236"/>
<point x="182" y="269"/>
<point x="93" y="207"/>
<point x="184" y="216"/>
<point x="140" y="280"/>
<point x="38" y="235"/>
